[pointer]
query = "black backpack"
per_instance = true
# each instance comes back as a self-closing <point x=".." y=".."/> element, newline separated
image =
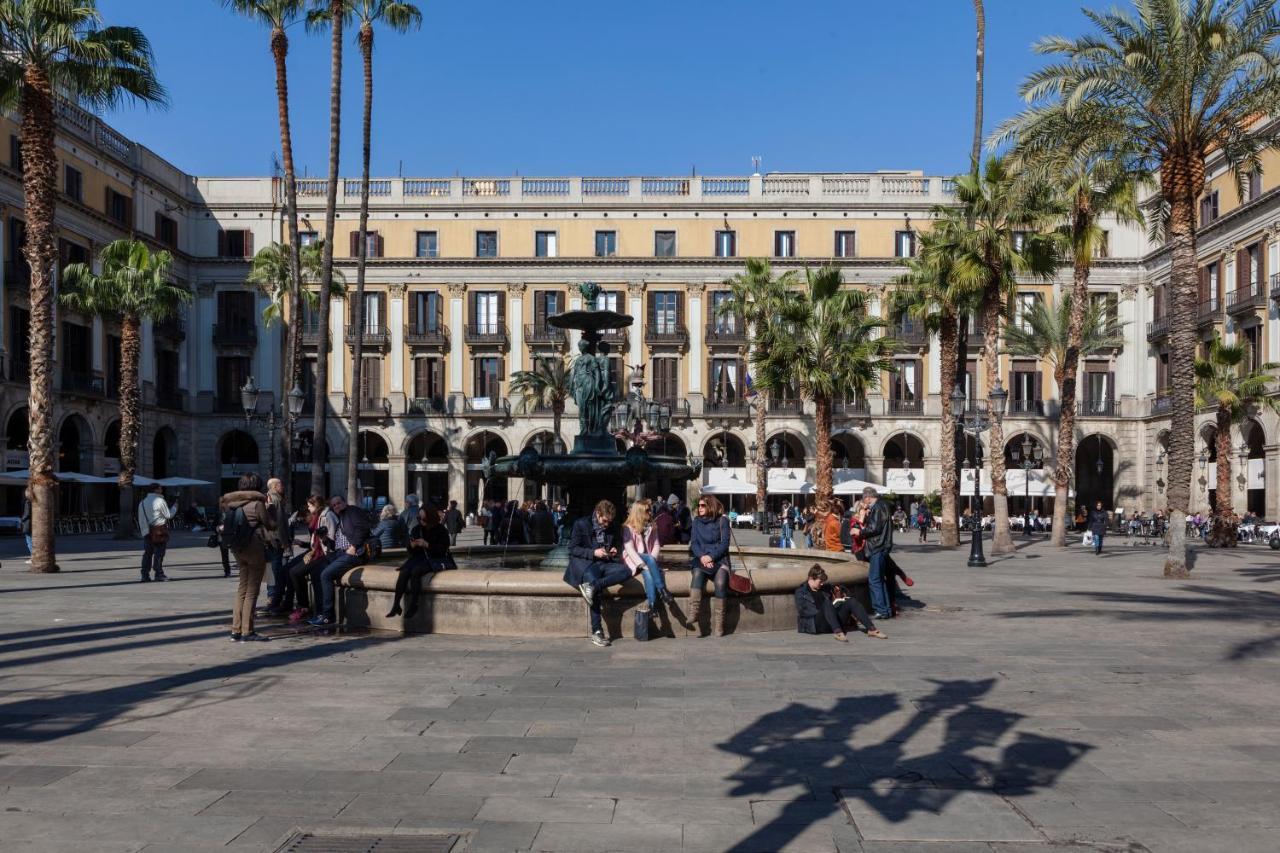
<point x="234" y="531"/>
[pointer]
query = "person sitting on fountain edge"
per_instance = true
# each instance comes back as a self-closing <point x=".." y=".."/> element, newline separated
<point x="593" y="562"/>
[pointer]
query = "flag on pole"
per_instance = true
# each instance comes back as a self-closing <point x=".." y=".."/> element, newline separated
<point x="750" y="389"/>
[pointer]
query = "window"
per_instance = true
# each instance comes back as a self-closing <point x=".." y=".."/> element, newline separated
<point x="846" y="244"/>
<point x="167" y="230"/>
<point x="1210" y="289"/>
<point x="486" y="244"/>
<point x="904" y="244"/>
<point x="784" y="244"/>
<point x="725" y="382"/>
<point x="235" y="243"/>
<point x="118" y="207"/>
<point x="232" y="372"/>
<point x="1024" y="388"/>
<point x="372" y="244"/>
<point x="1026" y="303"/>
<point x="1108" y="305"/>
<point x="606" y="244"/>
<point x="1254" y="267"/>
<point x="15" y="153"/>
<point x="720" y="321"/>
<point x="1019" y="240"/>
<point x="375" y="313"/>
<point x="546" y="303"/>
<point x="486" y="312"/>
<point x="726" y="244"/>
<point x="904" y="389"/>
<point x="488" y="378"/>
<point x="236" y="310"/>
<point x="308" y="238"/>
<point x="607" y="300"/>
<point x="73" y="183"/>
<point x="664" y="244"/>
<point x="666" y="379"/>
<point x="428" y="380"/>
<point x="1253" y="340"/>
<point x="428" y="246"/>
<point x="664" y="312"/>
<point x="546" y="244"/>
<point x="370" y="383"/>
<point x="426" y="312"/>
<point x="76" y="350"/>
<point x="1162" y="374"/>
<point x="1209" y="208"/>
<point x="1102" y="246"/>
<point x="1100" y="389"/>
<point x="1253" y="185"/>
<point x="71" y="253"/>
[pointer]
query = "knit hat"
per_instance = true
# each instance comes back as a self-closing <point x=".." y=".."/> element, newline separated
<point x="672" y="499"/>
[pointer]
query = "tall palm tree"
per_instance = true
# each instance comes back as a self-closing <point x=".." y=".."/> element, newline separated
<point x="931" y="295"/>
<point x="980" y="21"/>
<point x="1163" y="89"/>
<point x="134" y="285"/>
<point x="1228" y="382"/>
<point x="546" y="386"/>
<point x="400" y="17"/>
<point x="271" y="271"/>
<point x="319" y="455"/>
<point x="755" y="296"/>
<point x="823" y="342"/>
<point x="277" y="16"/>
<point x="994" y="236"/>
<point x="55" y="49"/>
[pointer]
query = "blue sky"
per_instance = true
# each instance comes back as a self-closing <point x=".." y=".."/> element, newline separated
<point x="575" y="87"/>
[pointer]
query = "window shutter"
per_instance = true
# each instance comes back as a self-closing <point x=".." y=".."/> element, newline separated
<point x="354" y="241"/>
<point x="1039" y="389"/>
<point x="1204" y="284"/>
<point x="413" y="309"/>
<point x="1242" y="269"/>
<point x="419" y="377"/>
<point x="436" y="366"/>
<point x="1262" y="265"/>
<point x="437" y="299"/>
<point x="679" y="310"/>
<point x="502" y="308"/>
<point x="540" y="309"/>
<point x="378" y="241"/>
<point x="156" y="230"/>
<point x="248" y="243"/>
<point x="381" y="299"/>
<point x="651" y="318"/>
<point x="472" y="319"/>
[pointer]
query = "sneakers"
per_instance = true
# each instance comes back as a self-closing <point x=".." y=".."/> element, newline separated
<point x="161" y="576"/>
<point x="320" y="620"/>
<point x="235" y="638"/>
<point x="599" y="639"/>
<point x="298" y="615"/>
<point x="254" y="637"/>
<point x="588" y="592"/>
<point x="145" y="579"/>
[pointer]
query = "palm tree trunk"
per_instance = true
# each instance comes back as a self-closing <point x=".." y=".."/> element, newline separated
<point x="357" y="313"/>
<point x="40" y="185"/>
<point x="293" y="324"/>
<point x="1181" y="181"/>
<point x="1064" y="466"/>
<point x="1223" y="531"/>
<point x="1001" y="540"/>
<point x="319" y="443"/>
<point x="980" y="17"/>
<point x="947" y="369"/>
<point x="130" y="415"/>
<point x="762" y="468"/>
<point x="822" y="435"/>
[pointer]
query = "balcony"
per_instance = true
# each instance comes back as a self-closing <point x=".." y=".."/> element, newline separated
<point x="486" y="334"/>
<point x="1275" y="286"/>
<point x="173" y="329"/>
<point x="906" y="407"/>
<point x="311" y="333"/>
<point x="429" y="406"/>
<point x="425" y="336"/>
<point x="374" y="335"/>
<point x="615" y="338"/>
<point x="544" y="333"/>
<point x="680" y="410"/>
<point x="785" y="406"/>
<point x="1026" y="407"/>
<point x="498" y="408"/>
<point x="910" y="336"/>
<point x="666" y="334"/>
<point x="728" y="408"/>
<point x="1209" y="312"/>
<point x="17" y="274"/>
<point x="235" y="335"/>
<point x="851" y="408"/>
<point x="378" y="406"/>
<point x="1098" y="408"/>
<point x="1161" y="405"/>
<point x="1245" y="301"/>
<point x="722" y="333"/>
<point x="173" y="399"/>
<point x="1158" y="328"/>
<point x="80" y="382"/>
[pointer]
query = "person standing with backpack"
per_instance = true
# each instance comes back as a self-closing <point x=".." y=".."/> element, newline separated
<point x="248" y="531"/>
<point x="153" y="524"/>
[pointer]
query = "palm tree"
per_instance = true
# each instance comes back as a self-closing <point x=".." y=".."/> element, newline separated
<point x="546" y="386"/>
<point x="400" y="17"/>
<point x="1162" y="89"/>
<point x="1072" y="329"/>
<point x="278" y="16"/>
<point x="57" y="49"/>
<point x="271" y="271"/>
<point x="134" y="285"/>
<point x="336" y="16"/>
<point x="1090" y="185"/>
<point x="931" y="295"/>
<point x="823" y="342"/>
<point x="754" y="299"/>
<point x="994" y="236"/>
<point x="1228" y="382"/>
<point x="980" y="21"/>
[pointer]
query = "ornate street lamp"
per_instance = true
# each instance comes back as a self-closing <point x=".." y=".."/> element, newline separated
<point x="1031" y="456"/>
<point x="973" y="421"/>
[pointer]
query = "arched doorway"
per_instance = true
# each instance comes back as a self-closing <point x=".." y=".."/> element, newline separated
<point x="1255" y="472"/>
<point x="164" y="453"/>
<point x="479" y="447"/>
<point x="427" y="464"/>
<point x="237" y="454"/>
<point x="786" y="473"/>
<point x="1026" y="488"/>
<point x="848" y="456"/>
<point x="1095" y="472"/>
<point x="373" y="470"/>
<point x="543" y="441"/>
<point x="74" y="441"/>
<point x="725" y="450"/>
<point x="904" y="474"/>
<point x="17" y="431"/>
<point x="304" y="451"/>
<point x="784" y="450"/>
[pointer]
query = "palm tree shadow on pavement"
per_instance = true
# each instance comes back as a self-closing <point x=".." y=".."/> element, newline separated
<point x="810" y="747"/>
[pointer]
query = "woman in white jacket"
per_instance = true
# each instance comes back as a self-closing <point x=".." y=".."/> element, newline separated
<point x="640" y="552"/>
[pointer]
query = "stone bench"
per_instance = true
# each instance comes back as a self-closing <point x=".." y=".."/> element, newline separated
<point x="518" y="602"/>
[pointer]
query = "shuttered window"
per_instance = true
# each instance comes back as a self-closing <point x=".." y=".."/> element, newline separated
<point x="666" y="379"/>
<point x="372" y="242"/>
<point x="235" y="243"/>
<point x="426" y="311"/>
<point x="428" y="379"/>
<point x="370" y="382"/>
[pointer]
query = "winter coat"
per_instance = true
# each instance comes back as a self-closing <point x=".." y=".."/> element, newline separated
<point x="710" y="537"/>
<point x="806" y="610"/>
<point x="582" y="546"/>
<point x="542" y="527"/>
<point x="639" y="546"/>
<point x="1098" y="522"/>
<point x="260" y="515"/>
<point x="877" y="528"/>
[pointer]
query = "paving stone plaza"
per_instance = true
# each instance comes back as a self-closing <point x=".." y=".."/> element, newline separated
<point x="1053" y="701"/>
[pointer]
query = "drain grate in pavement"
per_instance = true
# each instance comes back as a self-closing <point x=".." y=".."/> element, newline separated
<point x="306" y="842"/>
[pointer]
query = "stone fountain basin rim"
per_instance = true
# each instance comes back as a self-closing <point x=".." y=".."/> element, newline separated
<point x="590" y="321"/>
<point x="768" y="580"/>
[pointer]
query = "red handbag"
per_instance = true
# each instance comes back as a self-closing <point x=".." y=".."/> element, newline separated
<point x="740" y="584"/>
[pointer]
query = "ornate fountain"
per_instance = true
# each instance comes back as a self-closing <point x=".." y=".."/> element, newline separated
<point x="595" y="469"/>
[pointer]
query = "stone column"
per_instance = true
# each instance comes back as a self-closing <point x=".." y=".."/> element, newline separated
<point x="396" y="481"/>
<point x="338" y="353"/>
<point x="1128" y="364"/>
<point x="457" y="477"/>
<point x="205" y="311"/>
<point x="147" y="359"/>
<point x="697" y="356"/>
<point x="457" y="335"/>
<point x="635" y="307"/>
<point x="515" y="317"/>
<point x="396" y="320"/>
<point x="875" y="467"/>
<point x="1271" y="473"/>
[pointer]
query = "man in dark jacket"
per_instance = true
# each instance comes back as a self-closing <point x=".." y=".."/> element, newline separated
<point x="1097" y="526"/>
<point x="453" y="522"/>
<point x="409" y="515"/>
<point x="593" y="562"/>
<point x="542" y="526"/>
<point x="818" y="613"/>
<point x="348" y="552"/>
<point x="877" y="533"/>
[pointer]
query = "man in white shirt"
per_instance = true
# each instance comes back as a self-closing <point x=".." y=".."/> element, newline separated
<point x="153" y="522"/>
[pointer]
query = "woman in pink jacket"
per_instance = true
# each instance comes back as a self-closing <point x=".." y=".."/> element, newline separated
<point x="640" y="552"/>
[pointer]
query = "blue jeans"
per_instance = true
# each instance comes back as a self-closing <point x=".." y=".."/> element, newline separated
<point x="785" y="541"/>
<point x="654" y="582"/>
<point x="327" y="577"/>
<point x="27" y="536"/>
<point x="876" y="585"/>
<point x="1097" y="543"/>
<point x="601" y="575"/>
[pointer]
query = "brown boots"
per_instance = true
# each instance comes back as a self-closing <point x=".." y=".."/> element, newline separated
<point x="717" y="616"/>
<point x="695" y="610"/>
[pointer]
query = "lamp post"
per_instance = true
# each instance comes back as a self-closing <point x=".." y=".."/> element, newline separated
<point x="249" y="396"/>
<point x="973" y="421"/>
<point x="1160" y="470"/>
<point x="1031" y="456"/>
